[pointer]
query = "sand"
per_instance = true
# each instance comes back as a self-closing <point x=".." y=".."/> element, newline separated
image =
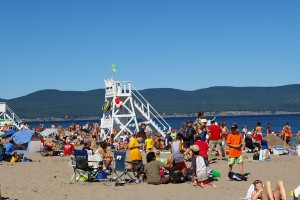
<point x="49" y="178"/>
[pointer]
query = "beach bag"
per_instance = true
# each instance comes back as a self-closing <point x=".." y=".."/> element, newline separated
<point x="256" y="156"/>
<point x="176" y="175"/>
<point x="237" y="177"/>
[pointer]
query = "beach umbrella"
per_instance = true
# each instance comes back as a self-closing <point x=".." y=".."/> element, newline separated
<point x="22" y="137"/>
<point x="9" y="132"/>
<point x="47" y="132"/>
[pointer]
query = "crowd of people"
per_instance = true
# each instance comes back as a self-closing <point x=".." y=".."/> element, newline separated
<point x="201" y="142"/>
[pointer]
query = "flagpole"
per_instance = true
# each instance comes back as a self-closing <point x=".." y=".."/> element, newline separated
<point x="112" y="73"/>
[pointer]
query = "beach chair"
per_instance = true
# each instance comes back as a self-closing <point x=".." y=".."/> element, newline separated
<point x="83" y="169"/>
<point x="120" y="170"/>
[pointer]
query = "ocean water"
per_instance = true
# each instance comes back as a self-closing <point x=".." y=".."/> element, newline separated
<point x="277" y="121"/>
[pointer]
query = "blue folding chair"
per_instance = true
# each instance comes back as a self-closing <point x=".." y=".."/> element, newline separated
<point x="120" y="167"/>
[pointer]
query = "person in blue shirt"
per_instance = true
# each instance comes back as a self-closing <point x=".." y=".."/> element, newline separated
<point x="9" y="150"/>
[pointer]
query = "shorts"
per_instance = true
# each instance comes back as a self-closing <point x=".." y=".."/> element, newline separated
<point x="215" y="144"/>
<point x="181" y="165"/>
<point x="138" y="167"/>
<point x="187" y="143"/>
<point x="232" y="161"/>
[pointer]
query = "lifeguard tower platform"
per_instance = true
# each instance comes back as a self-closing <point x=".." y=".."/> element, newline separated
<point x="7" y="116"/>
<point x="125" y="106"/>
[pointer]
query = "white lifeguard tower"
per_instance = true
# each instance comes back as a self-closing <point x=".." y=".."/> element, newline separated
<point x="122" y="104"/>
<point x="7" y="116"/>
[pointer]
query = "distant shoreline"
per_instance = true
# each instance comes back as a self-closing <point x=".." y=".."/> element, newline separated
<point x="210" y="114"/>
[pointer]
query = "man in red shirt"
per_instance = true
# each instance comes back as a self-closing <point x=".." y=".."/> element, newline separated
<point x="204" y="148"/>
<point x="215" y="138"/>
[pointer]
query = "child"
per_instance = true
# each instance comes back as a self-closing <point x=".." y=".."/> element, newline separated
<point x="135" y="155"/>
<point x="148" y="143"/>
<point x="235" y="144"/>
<point x="199" y="176"/>
<point x="177" y="153"/>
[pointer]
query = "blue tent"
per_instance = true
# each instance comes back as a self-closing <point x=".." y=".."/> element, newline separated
<point x="26" y="141"/>
<point x="9" y="132"/>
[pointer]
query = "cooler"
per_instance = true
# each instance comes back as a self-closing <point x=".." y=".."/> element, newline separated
<point x="101" y="175"/>
<point x="278" y="150"/>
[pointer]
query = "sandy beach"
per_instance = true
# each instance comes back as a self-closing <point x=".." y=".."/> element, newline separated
<point x="49" y="178"/>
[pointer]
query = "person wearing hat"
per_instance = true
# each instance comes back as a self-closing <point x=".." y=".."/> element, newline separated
<point x="199" y="175"/>
<point x="236" y="144"/>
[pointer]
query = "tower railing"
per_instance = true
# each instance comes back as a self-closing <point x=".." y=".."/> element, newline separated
<point x="149" y="112"/>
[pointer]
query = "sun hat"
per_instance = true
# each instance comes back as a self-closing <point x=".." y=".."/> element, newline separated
<point x="249" y="133"/>
<point x="195" y="148"/>
<point x="203" y="120"/>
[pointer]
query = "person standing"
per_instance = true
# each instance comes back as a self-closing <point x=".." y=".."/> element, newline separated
<point x="215" y="139"/>
<point x="269" y="131"/>
<point x="135" y="155"/>
<point x="188" y="136"/>
<point x="235" y="144"/>
<point x="286" y="133"/>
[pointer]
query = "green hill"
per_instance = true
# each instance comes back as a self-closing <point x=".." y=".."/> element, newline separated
<point x="74" y="104"/>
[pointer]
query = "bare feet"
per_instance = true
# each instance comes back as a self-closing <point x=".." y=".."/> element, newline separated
<point x="214" y="186"/>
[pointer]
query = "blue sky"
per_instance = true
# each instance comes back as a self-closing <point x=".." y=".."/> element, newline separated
<point x="194" y="44"/>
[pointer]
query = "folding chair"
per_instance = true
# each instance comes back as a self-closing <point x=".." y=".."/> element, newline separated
<point x="120" y="166"/>
<point x="81" y="167"/>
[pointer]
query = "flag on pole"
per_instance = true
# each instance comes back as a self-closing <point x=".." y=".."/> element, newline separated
<point x="113" y="68"/>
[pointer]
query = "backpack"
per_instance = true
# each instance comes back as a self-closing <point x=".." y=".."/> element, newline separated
<point x="176" y="175"/>
<point x="237" y="177"/>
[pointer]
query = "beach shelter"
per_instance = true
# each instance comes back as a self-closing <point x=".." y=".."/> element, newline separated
<point x="26" y="141"/>
<point x="47" y="132"/>
<point x="9" y="132"/>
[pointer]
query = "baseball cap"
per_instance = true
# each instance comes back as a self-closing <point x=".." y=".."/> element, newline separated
<point x="234" y="126"/>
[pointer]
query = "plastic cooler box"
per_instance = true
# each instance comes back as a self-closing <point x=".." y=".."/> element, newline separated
<point x="101" y="175"/>
<point x="278" y="150"/>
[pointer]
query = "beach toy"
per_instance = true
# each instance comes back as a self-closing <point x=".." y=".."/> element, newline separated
<point x="215" y="174"/>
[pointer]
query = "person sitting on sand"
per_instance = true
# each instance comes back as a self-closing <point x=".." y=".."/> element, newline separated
<point x="199" y="176"/>
<point x="87" y="145"/>
<point x="265" y="192"/>
<point x="152" y="168"/>
<point x="103" y="150"/>
<point x="68" y="147"/>
<point x="250" y="148"/>
<point x="9" y="150"/>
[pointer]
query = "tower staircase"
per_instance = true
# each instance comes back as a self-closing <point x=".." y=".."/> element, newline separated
<point x="7" y="116"/>
<point x="125" y="103"/>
